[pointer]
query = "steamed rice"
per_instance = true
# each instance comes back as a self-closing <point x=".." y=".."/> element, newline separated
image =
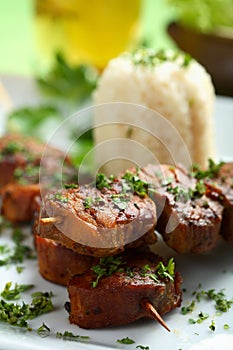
<point x="182" y="92"/>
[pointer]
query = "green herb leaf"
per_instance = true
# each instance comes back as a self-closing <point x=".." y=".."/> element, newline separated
<point x="73" y="83"/>
<point x="107" y="266"/>
<point x="70" y="336"/>
<point x="212" y="326"/>
<point x="14" y="293"/>
<point x="43" y="330"/>
<point x="126" y="341"/>
<point x="188" y="309"/>
<point x="211" y="172"/>
<point x="136" y="184"/>
<point x="32" y="120"/>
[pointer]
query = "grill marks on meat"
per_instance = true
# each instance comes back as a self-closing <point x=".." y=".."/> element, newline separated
<point x="94" y="223"/>
<point x="19" y="174"/>
<point x="188" y="220"/>
<point x="117" y="298"/>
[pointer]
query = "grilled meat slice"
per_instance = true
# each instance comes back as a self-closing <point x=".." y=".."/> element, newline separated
<point x="16" y="153"/>
<point x="117" y="298"/>
<point x="188" y="220"/>
<point x="20" y="175"/>
<point x="58" y="263"/>
<point x="94" y="223"/>
<point x="17" y="201"/>
<point x="220" y="188"/>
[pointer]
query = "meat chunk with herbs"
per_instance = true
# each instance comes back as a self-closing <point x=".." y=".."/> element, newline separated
<point x="22" y="177"/>
<point x="188" y="219"/>
<point x="113" y="292"/>
<point x="98" y="222"/>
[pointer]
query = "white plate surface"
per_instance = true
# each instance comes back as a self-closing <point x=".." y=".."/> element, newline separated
<point x="213" y="270"/>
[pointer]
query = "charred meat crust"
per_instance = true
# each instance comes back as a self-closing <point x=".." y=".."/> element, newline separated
<point x="117" y="298"/>
<point x="101" y="228"/>
<point x="58" y="263"/>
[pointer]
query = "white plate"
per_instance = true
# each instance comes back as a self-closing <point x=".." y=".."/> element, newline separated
<point x="213" y="270"/>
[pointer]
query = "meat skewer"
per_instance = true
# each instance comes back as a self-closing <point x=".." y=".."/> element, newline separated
<point x="154" y="313"/>
<point x="20" y="172"/>
<point x="188" y="219"/>
<point x="132" y="291"/>
<point x="97" y="223"/>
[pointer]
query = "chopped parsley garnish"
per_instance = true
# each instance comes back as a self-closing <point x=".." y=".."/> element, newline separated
<point x="142" y="347"/>
<point x="149" y="57"/>
<point x="88" y="202"/>
<point x="70" y="336"/>
<point x="110" y="265"/>
<point x="61" y="198"/>
<point x="43" y="330"/>
<point x="14" y="293"/>
<point x="125" y="341"/>
<point x="226" y="326"/>
<point x="102" y="181"/>
<point x="136" y="184"/>
<point x="19" y="314"/>
<point x="221" y="303"/>
<point x="71" y="186"/>
<point x="190" y="194"/>
<point x="212" y="326"/>
<point x="106" y="267"/>
<point x="120" y="200"/>
<point x="12" y="147"/>
<point x="211" y="172"/>
<point x="19" y="252"/>
<point x="188" y="309"/>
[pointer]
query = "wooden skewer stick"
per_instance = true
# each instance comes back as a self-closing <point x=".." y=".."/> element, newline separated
<point x="154" y="313"/>
<point x="51" y="220"/>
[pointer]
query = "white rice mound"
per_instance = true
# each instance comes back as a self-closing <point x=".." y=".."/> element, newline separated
<point x="182" y="94"/>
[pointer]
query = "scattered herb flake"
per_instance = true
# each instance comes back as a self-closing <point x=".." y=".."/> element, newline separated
<point x="126" y="341"/>
<point x="43" y="330"/>
<point x="212" y="326"/>
<point x="188" y="309"/>
<point x="14" y="293"/>
<point x="71" y="337"/>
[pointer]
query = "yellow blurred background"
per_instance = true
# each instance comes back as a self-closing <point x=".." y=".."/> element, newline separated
<point x="31" y="31"/>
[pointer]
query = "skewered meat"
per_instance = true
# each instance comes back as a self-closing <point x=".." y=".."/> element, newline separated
<point x="95" y="223"/>
<point x="20" y="172"/>
<point x="220" y="187"/>
<point x="118" y="297"/>
<point x="188" y="221"/>
<point x="17" y="152"/>
<point x="58" y="263"/>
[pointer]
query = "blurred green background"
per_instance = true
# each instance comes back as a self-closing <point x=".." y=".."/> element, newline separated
<point x="19" y="51"/>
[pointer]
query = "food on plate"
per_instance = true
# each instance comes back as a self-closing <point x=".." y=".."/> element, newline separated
<point x="57" y="263"/>
<point x="168" y="82"/>
<point x="188" y="219"/>
<point x="98" y="221"/>
<point x="219" y="183"/>
<point x="20" y="171"/>
<point x="120" y="290"/>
